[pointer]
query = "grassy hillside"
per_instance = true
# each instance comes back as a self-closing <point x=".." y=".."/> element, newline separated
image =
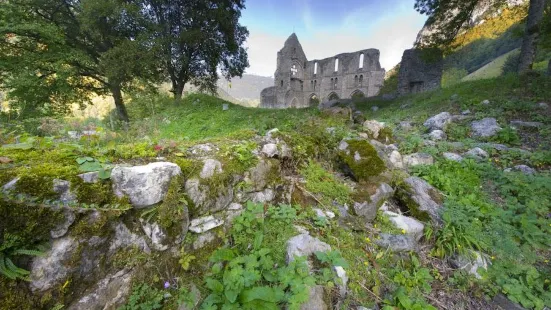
<point x="503" y="215"/>
<point x="491" y="70"/>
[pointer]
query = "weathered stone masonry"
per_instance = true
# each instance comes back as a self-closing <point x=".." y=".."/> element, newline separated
<point x="300" y="83"/>
<point x="419" y="73"/>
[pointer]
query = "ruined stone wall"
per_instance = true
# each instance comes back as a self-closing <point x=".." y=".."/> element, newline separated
<point x="420" y="71"/>
<point x="301" y="83"/>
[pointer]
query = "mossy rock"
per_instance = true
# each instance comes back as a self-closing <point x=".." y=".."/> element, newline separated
<point x="360" y="160"/>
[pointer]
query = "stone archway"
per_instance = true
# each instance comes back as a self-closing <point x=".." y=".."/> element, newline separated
<point x="333" y="96"/>
<point x="313" y="100"/>
<point x="294" y="103"/>
<point x="357" y="95"/>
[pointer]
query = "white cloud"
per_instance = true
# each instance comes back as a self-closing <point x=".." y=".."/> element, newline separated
<point x="391" y="34"/>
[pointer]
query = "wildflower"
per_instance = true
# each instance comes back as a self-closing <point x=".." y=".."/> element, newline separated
<point x="375" y="225"/>
<point x="459" y="246"/>
<point x="366" y="263"/>
<point x="403" y="231"/>
<point x="167" y="284"/>
<point x="546" y="261"/>
<point x="493" y="257"/>
<point x="367" y="240"/>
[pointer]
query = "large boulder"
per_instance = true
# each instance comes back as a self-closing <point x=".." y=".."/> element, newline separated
<point x="108" y="293"/>
<point x="360" y="160"/>
<point x="437" y="135"/>
<point x="144" y="185"/>
<point x="438" y="121"/>
<point x="485" y="128"/>
<point x="206" y="199"/>
<point x="368" y="209"/>
<point x="422" y="200"/>
<point x="452" y="156"/>
<point x="260" y="175"/>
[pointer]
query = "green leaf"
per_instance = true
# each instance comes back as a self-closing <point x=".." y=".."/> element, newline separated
<point x="90" y="166"/>
<point x="81" y="160"/>
<point x="264" y="293"/>
<point x="231" y="294"/>
<point x="18" y="146"/>
<point x="214" y="285"/>
<point x="104" y="174"/>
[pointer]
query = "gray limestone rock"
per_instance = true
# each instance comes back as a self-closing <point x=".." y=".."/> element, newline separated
<point x="486" y="102"/>
<point x="485" y="128"/>
<point x="527" y="125"/>
<point x="270" y="150"/>
<point x="396" y="243"/>
<point x="477" y="153"/>
<point x="52" y="268"/>
<point x="109" y="293"/>
<point x="452" y="157"/>
<point x="210" y="168"/>
<point x="63" y="188"/>
<point x="521" y="168"/>
<point x="203" y="240"/>
<point x="437" y="135"/>
<point x="125" y="238"/>
<point x="203" y="224"/>
<point x="89" y="177"/>
<point x="427" y="200"/>
<point x="204" y="200"/>
<point x="396" y="160"/>
<point x="368" y="210"/>
<point x="543" y="105"/>
<point x="416" y="159"/>
<point x="316" y="301"/>
<point x="504" y="303"/>
<point x="405" y="126"/>
<point x="438" y="121"/>
<point x="264" y="196"/>
<point x="259" y="174"/>
<point x="471" y="262"/>
<point x="373" y="127"/>
<point x="410" y="225"/>
<point x="144" y="185"/>
<point x="304" y="245"/>
<point x="61" y="229"/>
<point x="156" y="235"/>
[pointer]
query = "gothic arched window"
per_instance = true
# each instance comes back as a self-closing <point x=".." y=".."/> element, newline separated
<point x="361" y="61"/>
<point x="361" y="80"/>
<point x="355" y="81"/>
<point x="316" y="67"/>
<point x="336" y="83"/>
<point x="336" y="64"/>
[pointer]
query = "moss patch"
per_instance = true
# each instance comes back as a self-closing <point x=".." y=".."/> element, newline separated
<point x="369" y="163"/>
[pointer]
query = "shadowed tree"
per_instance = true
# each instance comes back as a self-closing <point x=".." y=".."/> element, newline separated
<point x="55" y="52"/>
<point x="197" y="39"/>
<point x="448" y="18"/>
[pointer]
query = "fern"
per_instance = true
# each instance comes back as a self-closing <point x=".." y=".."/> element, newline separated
<point x="8" y="250"/>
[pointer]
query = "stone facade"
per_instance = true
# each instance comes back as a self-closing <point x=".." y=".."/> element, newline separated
<point x="419" y="73"/>
<point x="300" y="83"/>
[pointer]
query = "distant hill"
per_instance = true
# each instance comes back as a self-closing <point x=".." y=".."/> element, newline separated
<point x="246" y="90"/>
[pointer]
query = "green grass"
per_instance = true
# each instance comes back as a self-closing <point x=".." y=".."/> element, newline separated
<point x="201" y="117"/>
<point x="492" y="69"/>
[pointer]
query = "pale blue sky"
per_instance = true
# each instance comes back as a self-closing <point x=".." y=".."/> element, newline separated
<point x="326" y="28"/>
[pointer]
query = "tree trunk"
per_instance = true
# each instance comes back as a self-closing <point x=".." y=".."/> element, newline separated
<point x="549" y="68"/>
<point x="178" y="90"/>
<point x="531" y="35"/>
<point x="119" y="103"/>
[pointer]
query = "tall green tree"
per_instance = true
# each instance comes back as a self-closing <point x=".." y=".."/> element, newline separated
<point x="55" y="52"/>
<point x="197" y="39"/>
<point x="448" y="18"/>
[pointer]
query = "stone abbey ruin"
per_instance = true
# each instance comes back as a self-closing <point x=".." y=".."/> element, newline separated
<point x="300" y="83"/>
